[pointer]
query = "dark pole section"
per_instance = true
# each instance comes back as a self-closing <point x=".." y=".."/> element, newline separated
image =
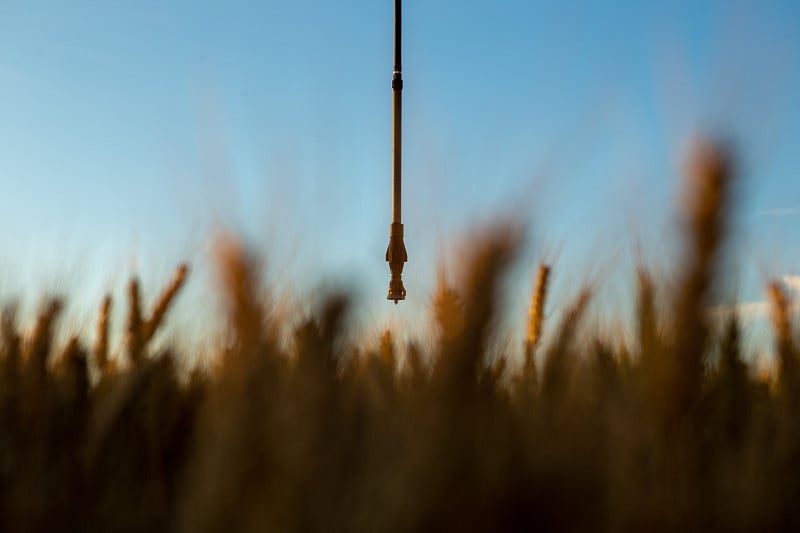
<point x="397" y="119"/>
<point x="398" y="35"/>
<point x="396" y="254"/>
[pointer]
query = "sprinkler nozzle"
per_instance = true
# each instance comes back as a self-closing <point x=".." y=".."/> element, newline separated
<point x="396" y="256"/>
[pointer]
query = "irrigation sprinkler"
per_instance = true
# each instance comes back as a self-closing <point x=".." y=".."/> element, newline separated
<point x="396" y="253"/>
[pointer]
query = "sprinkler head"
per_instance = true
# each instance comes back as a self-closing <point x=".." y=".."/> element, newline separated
<point x="396" y="256"/>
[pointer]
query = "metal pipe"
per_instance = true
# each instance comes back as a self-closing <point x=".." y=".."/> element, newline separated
<point x="397" y="116"/>
<point x="396" y="254"/>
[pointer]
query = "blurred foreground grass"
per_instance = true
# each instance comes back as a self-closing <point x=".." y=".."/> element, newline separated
<point x="671" y="432"/>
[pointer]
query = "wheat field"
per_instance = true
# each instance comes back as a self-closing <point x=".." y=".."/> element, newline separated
<point x="671" y="432"/>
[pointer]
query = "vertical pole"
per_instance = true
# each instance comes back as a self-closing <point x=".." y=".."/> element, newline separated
<point x="397" y="117"/>
<point x="396" y="252"/>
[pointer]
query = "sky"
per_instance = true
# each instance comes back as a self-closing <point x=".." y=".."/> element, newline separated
<point x="132" y="132"/>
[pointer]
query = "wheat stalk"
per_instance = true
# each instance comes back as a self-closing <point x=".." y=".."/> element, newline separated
<point x="162" y="305"/>
<point x="536" y="312"/>
<point x="781" y="318"/>
<point x="134" y="329"/>
<point x="101" y="343"/>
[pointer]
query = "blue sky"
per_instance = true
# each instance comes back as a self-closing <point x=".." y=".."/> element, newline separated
<point x="130" y="131"/>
